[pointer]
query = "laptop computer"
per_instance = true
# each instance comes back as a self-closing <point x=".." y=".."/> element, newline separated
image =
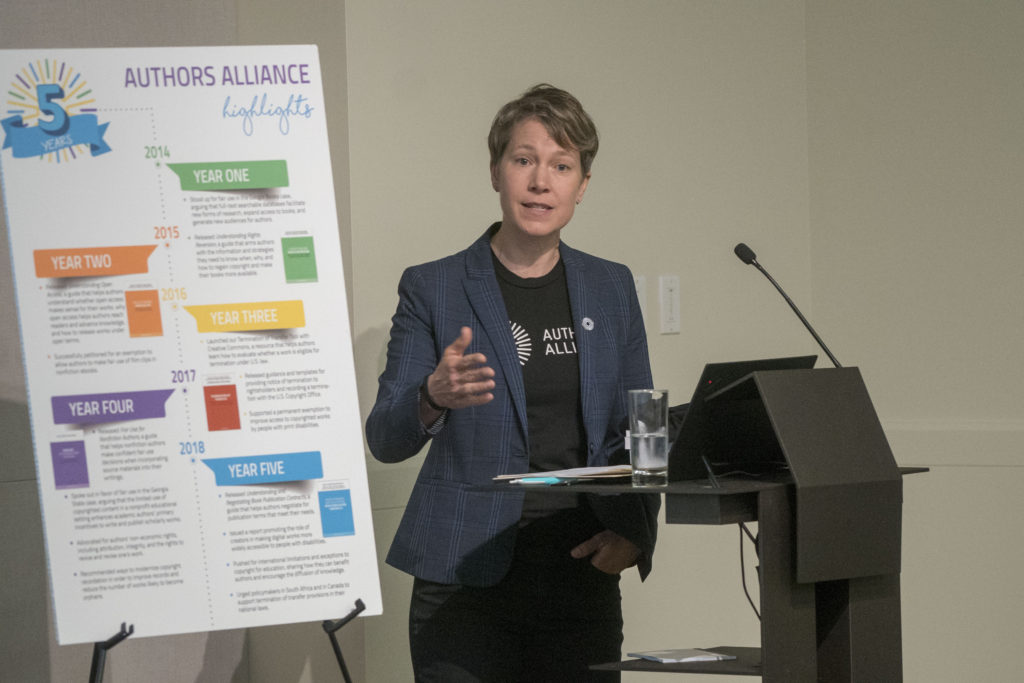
<point x="694" y="449"/>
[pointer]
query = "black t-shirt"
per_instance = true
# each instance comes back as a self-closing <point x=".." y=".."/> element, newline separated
<point x="540" y="319"/>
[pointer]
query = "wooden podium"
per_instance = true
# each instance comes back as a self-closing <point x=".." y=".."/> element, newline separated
<point x="828" y="504"/>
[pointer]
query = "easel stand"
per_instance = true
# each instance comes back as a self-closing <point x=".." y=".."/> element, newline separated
<point x="331" y="627"/>
<point x="99" y="652"/>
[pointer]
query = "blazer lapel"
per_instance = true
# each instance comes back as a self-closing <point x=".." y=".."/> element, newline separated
<point x="485" y="298"/>
<point x="583" y="321"/>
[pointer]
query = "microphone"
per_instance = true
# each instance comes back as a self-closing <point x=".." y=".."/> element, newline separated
<point x="746" y="254"/>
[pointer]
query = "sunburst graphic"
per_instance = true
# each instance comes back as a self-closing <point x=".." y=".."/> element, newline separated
<point x="23" y="99"/>
<point x="524" y="345"/>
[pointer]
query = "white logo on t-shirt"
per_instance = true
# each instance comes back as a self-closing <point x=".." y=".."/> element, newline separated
<point x="558" y="341"/>
<point x="524" y="345"/>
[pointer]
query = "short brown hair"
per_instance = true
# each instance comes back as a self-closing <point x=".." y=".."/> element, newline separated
<point x="561" y="114"/>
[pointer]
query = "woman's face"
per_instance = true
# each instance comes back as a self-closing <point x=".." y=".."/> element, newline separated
<point x="539" y="182"/>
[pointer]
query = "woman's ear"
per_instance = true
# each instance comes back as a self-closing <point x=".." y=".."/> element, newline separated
<point x="583" y="188"/>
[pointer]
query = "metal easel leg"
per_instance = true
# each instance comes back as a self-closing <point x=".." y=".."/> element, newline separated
<point x="332" y="627"/>
<point x="99" y="652"/>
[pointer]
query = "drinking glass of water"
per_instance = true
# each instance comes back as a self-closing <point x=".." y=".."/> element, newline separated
<point x="648" y="436"/>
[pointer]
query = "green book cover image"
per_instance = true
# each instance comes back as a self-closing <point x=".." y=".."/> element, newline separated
<point x="299" y="259"/>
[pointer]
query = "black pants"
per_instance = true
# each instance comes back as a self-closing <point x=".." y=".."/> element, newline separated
<point x="545" y="622"/>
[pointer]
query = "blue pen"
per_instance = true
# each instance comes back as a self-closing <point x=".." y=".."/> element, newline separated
<point x="542" y="481"/>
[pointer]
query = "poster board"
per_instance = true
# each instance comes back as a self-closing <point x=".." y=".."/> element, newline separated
<point x="181" y="299"/>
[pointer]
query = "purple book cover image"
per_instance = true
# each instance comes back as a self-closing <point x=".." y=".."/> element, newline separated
<point x="69" y="467"/>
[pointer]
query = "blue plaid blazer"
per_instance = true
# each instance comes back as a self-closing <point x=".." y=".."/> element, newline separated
<point x="453" y="530"/>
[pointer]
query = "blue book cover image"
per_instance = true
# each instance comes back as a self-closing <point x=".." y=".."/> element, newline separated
<point x="336" y="512"/>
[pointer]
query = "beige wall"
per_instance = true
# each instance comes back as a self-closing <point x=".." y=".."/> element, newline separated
<point x="916" y="166"/>
<point x="869" y="151"/>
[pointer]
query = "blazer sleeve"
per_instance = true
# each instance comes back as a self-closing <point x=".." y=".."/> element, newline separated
<point x="393" y="429"/>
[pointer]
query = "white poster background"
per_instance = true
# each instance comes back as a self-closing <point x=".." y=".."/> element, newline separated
<point x="210" y="476"/>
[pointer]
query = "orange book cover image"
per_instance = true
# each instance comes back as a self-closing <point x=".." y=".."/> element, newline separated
<point x="143" y="307"/>
<point x="221" y="407"/>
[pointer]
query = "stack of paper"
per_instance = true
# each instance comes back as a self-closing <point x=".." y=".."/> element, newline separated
<point x="574" y="474"/>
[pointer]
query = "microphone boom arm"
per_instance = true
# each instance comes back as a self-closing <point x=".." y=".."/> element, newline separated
<point x="797" y="311"/>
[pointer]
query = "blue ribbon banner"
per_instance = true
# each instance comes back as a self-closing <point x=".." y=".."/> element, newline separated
<point x="266" y="469"/>
<point x="32" y="141"/>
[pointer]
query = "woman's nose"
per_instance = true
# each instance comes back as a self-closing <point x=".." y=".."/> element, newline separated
<point x="539" y="179"/>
